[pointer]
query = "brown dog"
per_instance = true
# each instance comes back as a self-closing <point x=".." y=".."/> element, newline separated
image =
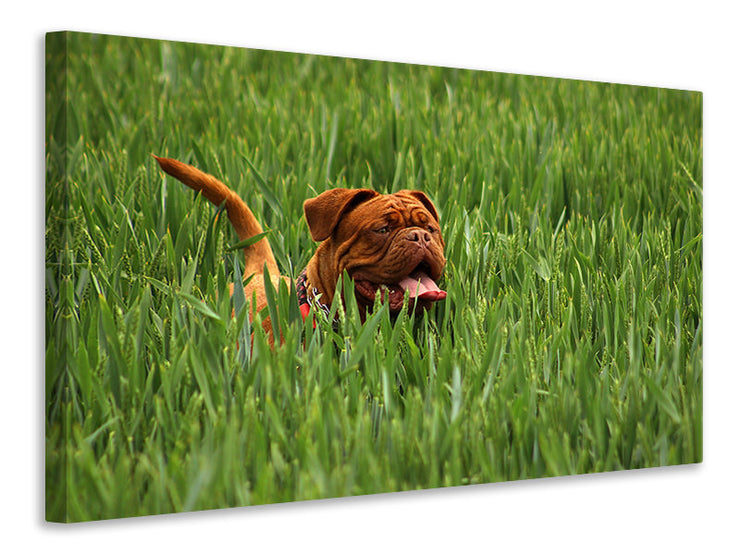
<point x="388" y="244"/>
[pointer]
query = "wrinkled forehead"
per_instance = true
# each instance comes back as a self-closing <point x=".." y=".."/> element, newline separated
<point x="399" y="209"/>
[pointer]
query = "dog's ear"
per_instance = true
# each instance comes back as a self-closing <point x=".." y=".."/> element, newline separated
<point x="324" y="211"/>
<point x="421" y="197"/>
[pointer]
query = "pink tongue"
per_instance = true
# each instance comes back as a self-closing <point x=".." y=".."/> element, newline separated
<point x="421" y="286"/>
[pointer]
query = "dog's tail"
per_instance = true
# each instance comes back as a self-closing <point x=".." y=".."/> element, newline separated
<point x="240" y="216"/>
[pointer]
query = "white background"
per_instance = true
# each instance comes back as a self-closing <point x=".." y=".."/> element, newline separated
<point x="687" y="45"/>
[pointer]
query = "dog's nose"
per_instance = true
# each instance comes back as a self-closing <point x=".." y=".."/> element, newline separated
<point x="419" y="236"/>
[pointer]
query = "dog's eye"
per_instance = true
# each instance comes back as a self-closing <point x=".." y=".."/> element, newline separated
<point x="432" y="228"/>
<point x="383" y="230"/>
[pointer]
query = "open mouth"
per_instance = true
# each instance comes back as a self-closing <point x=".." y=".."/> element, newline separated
<point x="419" y="285"/>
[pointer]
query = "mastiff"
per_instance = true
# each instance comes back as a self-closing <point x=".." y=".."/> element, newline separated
<point x="389" y="244"/>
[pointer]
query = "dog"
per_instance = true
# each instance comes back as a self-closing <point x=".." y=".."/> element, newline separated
<point x="389" y="244"/>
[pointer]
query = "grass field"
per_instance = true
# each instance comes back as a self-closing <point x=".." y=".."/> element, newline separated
<point x="570" y="341"/>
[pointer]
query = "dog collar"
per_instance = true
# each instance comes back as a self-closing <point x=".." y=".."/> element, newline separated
<point x="304" y="300"/>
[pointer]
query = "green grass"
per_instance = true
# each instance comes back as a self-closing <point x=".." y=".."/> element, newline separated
<point x="570" y="341"/>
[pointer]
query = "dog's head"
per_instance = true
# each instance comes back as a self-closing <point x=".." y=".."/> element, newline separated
<point x="386" y="243"/>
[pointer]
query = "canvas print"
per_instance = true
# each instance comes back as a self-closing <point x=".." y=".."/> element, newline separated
<point x="274" y="277"/>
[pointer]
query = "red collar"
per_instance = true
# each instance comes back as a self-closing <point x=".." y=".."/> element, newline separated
<point x="300" y="289"/>
<point x="304" y="301"/>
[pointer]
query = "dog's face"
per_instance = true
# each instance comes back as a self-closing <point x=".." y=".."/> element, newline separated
<point x="390" y="244"/>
